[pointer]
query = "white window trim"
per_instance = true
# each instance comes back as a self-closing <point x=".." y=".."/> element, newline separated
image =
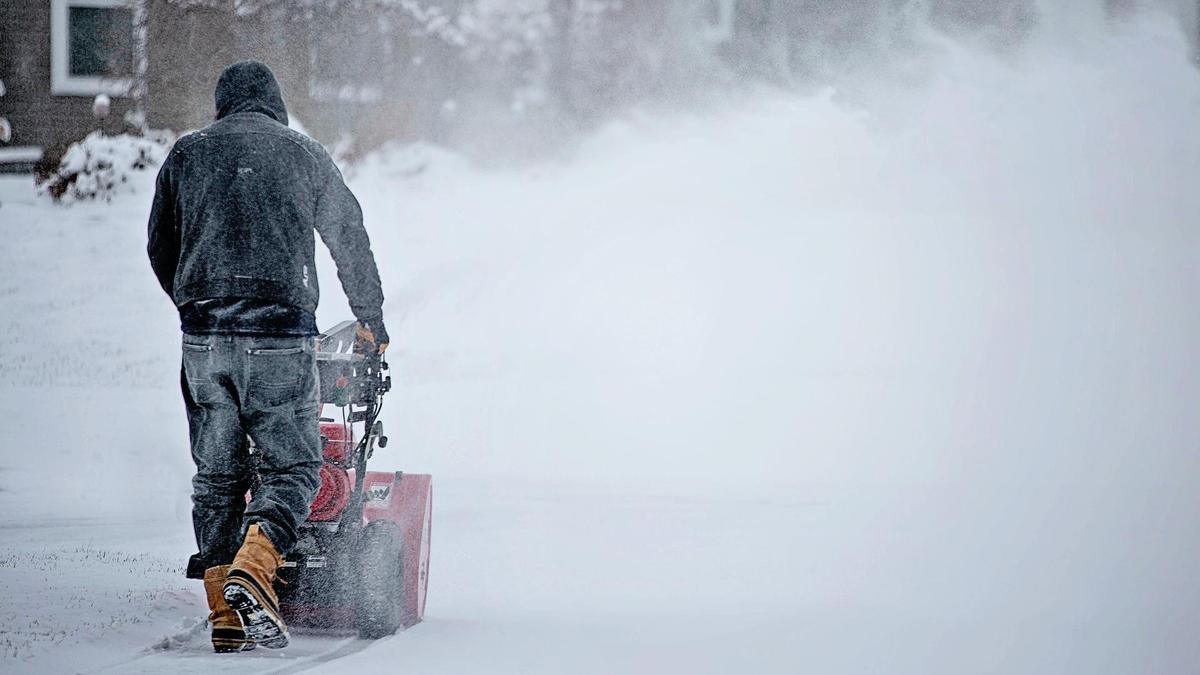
<point x="722" y="30"/>
<point x="20" y="153"/>
<point x="62" y="83"/>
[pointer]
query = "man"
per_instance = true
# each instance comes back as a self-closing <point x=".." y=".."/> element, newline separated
<point x="231" y="241"/>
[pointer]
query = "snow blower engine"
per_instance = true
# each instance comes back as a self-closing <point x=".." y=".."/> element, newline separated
<point x="361" y="560"/>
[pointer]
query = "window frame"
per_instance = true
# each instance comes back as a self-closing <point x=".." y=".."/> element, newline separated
<point x="62" y="82"/>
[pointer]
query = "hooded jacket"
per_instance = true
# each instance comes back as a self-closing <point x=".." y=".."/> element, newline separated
<point x="235" y="206"/>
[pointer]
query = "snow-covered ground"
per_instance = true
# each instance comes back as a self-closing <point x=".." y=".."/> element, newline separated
<point x="905" y="384"/>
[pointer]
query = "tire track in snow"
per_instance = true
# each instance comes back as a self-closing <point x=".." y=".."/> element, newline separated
<point x="189" y="658"/>
<point x="345" y="648"/>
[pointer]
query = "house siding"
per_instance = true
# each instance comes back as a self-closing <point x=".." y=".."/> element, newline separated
<point x="186" y="50"/>
<point x="38" y="117"/>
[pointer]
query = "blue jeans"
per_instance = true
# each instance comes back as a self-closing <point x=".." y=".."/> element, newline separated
<point x="266" y="388"/>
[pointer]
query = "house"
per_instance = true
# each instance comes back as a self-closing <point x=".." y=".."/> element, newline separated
<point x="55" y="57"/>
<point x="158" y="61"/>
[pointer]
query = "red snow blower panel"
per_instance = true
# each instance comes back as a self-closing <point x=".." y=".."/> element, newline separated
<point x="407" y="501"/>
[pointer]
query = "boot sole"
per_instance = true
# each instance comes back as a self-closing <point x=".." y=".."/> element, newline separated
<point x="229" y="640"/>
<point x="259" y="619"/>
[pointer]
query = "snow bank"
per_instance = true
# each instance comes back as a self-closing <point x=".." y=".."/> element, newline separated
<point x="101" y="166"/>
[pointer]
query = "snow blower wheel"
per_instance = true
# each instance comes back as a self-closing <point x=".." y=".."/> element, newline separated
<point x="381" y="590"/>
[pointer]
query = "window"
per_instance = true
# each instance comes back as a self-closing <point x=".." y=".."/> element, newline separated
<point x="91" y="47"/>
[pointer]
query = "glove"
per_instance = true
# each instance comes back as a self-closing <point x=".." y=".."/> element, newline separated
<point x="373" y="335"/>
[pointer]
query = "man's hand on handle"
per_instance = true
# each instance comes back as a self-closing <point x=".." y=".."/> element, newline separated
<point x="372" y="335"/>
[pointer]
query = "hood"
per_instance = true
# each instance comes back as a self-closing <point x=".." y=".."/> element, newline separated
<point x="250" y="86"/>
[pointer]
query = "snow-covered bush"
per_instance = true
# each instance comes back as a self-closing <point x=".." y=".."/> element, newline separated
<point x="100" y="166"/>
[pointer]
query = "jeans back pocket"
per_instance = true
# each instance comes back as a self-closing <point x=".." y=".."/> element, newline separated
<point x="276" y="373"/>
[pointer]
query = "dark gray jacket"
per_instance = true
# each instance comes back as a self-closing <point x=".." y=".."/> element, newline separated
<point x="236" y="204"/>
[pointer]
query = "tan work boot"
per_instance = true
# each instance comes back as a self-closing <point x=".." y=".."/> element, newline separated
<point x="227" y="633"/>
<point x="249" y="590"/>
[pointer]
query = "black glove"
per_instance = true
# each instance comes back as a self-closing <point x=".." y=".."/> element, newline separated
<point x="373" y="333"/>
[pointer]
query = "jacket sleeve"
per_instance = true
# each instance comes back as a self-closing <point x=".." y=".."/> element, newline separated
<point x="163" y="230"/>
<point x="339" y="222"/>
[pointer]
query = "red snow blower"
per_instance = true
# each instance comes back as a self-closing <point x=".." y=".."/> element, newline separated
<point x="361" y="561"/>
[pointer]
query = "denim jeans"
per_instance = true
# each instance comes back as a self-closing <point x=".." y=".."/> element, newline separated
<point x="266" y="388"/>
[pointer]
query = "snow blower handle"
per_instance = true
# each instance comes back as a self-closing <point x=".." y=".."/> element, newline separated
<point x="373" y="382"/>
<point x="352" y="368"/>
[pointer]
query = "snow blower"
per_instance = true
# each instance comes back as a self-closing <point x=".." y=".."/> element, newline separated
<point x="361" y="561"/>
